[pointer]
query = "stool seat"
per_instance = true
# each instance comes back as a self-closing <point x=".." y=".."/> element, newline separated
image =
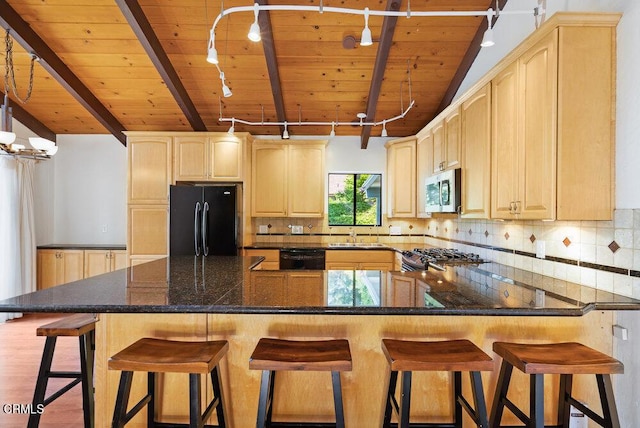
<point x="450" y="355"/>
<point x="169" y="356"/>
<point x="74" y="325"/>
<point x="557" y="358"/>
<point x="312" y="355"/>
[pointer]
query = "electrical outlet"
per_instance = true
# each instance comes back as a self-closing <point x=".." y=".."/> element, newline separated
<point x="620" y="332"/>
<point x="297" y="230"/>
<point x="263" y="228"/>
<point x="539" y="298"/>
<point x="104" y="228"/>
<point x="541" y="251"/>
<point x="395" y="230"/>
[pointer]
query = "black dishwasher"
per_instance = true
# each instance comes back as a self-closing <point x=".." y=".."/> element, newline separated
<point x="302" y="258"/>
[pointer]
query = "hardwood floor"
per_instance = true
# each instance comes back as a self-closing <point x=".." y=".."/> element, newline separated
<point x="20" y="354"/>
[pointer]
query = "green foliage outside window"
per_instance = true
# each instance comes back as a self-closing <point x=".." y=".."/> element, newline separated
<point x="354" y="199"/>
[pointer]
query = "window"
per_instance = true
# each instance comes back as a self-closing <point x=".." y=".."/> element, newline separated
<point x="353" y="288"/>
<point x="355" y="199"/>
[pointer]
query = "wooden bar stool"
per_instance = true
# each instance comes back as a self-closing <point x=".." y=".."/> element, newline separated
<point x="565" y="359"/>
<point x="81" y="326"/>
<point x="167" y="356"/>
<point x="271" y="355"/>
<point x="451" y="355"/>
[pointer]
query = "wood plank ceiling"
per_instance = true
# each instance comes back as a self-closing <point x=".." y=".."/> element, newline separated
<point x="113" y="65"/>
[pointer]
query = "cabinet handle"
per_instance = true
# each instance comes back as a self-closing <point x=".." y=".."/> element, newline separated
<point x="518" y="205"/>
<point x="512" y="207"/>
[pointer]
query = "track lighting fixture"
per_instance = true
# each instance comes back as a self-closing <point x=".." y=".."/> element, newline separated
<point x="212" y="56"/>
<point x="487" y="38"/>
<point x="365" y="39"/>
<point x="226" y="92"/>
<point x="233" y="127"/>
<point x="254" y="30"/>
<point x="333" y="130"/>
<point x="384" y="129"/>
<point x="285" y="134"/>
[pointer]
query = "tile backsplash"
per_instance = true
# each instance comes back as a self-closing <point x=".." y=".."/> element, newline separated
<point x="600" y="254"/>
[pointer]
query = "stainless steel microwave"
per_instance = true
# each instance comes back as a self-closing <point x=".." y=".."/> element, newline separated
<point x="442" y="192"/>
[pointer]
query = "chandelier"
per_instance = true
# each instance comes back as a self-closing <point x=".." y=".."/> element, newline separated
<point x="41" y="148"/>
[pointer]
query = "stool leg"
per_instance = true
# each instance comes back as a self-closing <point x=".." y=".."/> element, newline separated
<point x="405" y="400"/>
<point x="337" y="398"/>
<point x="43" y="379"/>
<point x="151" y="406"/>
<point x="457" y="392"/>
<point x="478" y="400"/>
<point x="272" y="385"/>
<point x="536" y="400"/>
<point x="86" y="371"/>
<point x="217" y="393"/>
<point x="610" y="412"/>
<point x="564" y="394"/>
<point x="266" y="391"/>
<point x="195" y="417"/>
<point x="122" y="399"/>
<point x="497" y="408"/>
<point x="391" y="392"/>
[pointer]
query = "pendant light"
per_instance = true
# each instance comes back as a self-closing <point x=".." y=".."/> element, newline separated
<point x="366" y="39"/>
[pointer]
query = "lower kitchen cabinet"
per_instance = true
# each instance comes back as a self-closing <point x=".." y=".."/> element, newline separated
<point x="271" y="258"/>
<point x="359" y="260"/>
<point x="57" y="267"/>
<point x="286" y="288"/>
<point x="97" y="262"/>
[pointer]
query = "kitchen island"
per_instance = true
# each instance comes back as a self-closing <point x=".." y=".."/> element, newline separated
<point x="224" y="298"/>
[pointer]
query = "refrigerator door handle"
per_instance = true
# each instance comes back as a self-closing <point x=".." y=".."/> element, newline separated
<point x="205" y="216"/>
<point x="196" y="238"/>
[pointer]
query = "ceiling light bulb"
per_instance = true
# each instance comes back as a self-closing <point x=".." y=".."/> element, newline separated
<point x="254" y="30"/>
<point x="487" y="38"/>
<point x="365" y="39"/>
<point x="285" y="134"/>
<point x="384" y="129"/>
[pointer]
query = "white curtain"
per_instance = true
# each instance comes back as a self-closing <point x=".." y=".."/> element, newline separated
<point x="17" y="229"/>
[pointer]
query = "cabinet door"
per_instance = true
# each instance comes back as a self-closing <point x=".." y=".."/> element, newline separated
<point x="504" y="142"/>
<point x="451" y="149"/>
<point x="476" y="154"/>
<point x="306" y="181"/>
<point x="400" y="291"/>
<point x="190" y="158"/>
<point x="72" y="265"/>
<point x="269" y="180"/>
<point x="118" y="259"/>
<point x="538" y="73"/>
<point x="46" y="269"/>
<point x="225" y="158"/>
<point x="96" y="262"/>
<point x="305" y="288"/>
<point x="149" y="169"/>
<point x="401" y="184"/>
<point x="424" y="167"/>
<point x="438" y="147"/>
<point x="148" y="230"/>
<point x="268" y="288"/>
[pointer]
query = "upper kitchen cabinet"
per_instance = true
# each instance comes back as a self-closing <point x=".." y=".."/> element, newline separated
<point x="149" y="168"/>
<point x="446" y="142"/>
<point x="288" y="179"/>
<point x="401" y="177"/>
<point x="424" y="168"/>
<point x="553" y="123"/>
<point x="208" y="157"/>
<point x="475" y="137"/>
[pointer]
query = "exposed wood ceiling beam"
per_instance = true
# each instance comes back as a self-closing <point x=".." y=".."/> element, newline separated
<point x="31" y="42"/>
<point x="386" y="40"/>
<point x="147" y="37"/>
<point x="30" y="122"/>
<point x="467" y="61"/>
<point x="266" y="34"/>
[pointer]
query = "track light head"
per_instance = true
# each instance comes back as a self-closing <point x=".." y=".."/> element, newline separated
<point x="285" y="133"/>
<point x="254" y="30"/>
<point x="233" y="127"/>
<point x="384" y="129"/>
<point x="333" y="130"/>
<point x="366" y="39"/>
<point x="212" y="55"/>
<point x="226" y="92"/>
<point x="487" y="38"/>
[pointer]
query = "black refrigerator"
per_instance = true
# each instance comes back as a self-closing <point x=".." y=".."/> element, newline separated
<point x="203" y="220"/>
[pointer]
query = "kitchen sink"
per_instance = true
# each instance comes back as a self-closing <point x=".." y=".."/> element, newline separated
<point x="356" y="244"/>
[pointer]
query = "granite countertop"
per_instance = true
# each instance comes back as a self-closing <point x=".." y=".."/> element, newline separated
<point x="227" y="284"/>
<point x="82" y="247"/>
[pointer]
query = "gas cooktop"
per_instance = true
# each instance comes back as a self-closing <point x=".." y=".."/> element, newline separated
<point x="436" y="258"/>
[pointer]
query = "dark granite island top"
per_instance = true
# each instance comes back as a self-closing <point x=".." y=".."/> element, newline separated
<point x="229" y="285"/>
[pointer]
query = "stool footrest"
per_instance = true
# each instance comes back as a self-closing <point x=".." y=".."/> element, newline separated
<point x="54" y="396"/>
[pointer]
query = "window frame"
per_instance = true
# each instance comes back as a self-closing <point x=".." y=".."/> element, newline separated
<point x="355" y="176"/>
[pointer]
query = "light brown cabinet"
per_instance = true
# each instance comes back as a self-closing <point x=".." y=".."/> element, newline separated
<point x="359" y="260"/>
<point x="55" y="267"/>
<point x="475" y="137"/>
<point x="552" y="132"/>
<point x="401" y="178"/>
<point x="97" y="262"/>
<point x="149" y="169"/>
<point x="271" y="258"/>
<point x="400" y="291"/>
<point x="288" y="179"/>
<point x="208" y="157"/>
<point x="148" y="235"/>
<point x="424" y="168"/>
<point x="279" y="288"/>
<point x="446" y="142"/>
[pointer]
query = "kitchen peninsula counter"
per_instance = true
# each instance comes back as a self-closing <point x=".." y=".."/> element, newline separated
<point x="182" y="298"/>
